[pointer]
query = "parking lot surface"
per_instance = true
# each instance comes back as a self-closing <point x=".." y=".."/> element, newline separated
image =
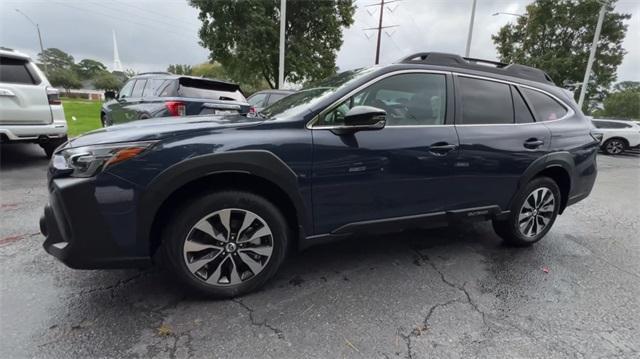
<point x="451" y="292"/>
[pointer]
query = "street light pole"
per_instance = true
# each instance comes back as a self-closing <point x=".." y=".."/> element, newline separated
<point x="592" y="54"/>
<point x="283" y="23"/>
<point x="473" y="15"/>
<point x="39" y="36"/>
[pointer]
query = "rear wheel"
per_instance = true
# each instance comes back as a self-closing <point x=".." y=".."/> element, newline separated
<point x="533" y="213"/>
<point x="614" y="146"/>
<point x="226" y="244"/>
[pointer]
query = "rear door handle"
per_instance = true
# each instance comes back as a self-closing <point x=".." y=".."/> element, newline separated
<point x="441" y="148"/>
<point x="533" y="143"/>
<point x="7" y="93"/>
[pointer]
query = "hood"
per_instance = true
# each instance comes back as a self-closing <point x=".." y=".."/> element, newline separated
<point x="160" y="128"/>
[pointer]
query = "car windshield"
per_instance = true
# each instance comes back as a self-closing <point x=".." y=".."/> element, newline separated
<point x="304" y="99"/>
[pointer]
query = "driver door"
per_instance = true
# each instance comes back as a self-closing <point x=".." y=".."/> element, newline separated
<point x="401" y="170"/>
<point x="116" y="106"/>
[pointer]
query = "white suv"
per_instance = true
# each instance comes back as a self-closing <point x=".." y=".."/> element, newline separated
<point x="617" y="135"/>
<point x="30" y="109"/>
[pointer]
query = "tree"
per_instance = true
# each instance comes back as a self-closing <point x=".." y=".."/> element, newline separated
<point x="65" y="78"/>
<point x="244" y="37"/>
<point x="56" y="59"/>
<point x="556" y="36"/>
<point x="212" y="71"/>
<point x="107" y="81"/>
<point x="179" y="69"/>
<point x="88" y="69"/>
<point x="624" y="102"/>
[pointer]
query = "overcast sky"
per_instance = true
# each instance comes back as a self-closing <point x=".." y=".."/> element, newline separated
<point x="153" y="34"/>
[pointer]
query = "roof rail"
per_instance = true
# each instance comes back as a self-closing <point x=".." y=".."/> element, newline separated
<point x="155" y="73"/>
<point x="444" y="59"/>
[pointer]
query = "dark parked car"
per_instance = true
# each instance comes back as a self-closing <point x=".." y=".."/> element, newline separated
<point x="266" y="98"/>
<point x="432" y="140"/>
<point x="160" y="94"/>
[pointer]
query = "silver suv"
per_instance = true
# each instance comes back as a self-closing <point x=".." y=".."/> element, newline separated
<point x="30" y="109"/>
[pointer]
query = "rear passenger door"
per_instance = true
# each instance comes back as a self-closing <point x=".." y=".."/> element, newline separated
<point x="499" y="140"/>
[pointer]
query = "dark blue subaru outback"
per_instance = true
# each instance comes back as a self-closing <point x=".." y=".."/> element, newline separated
<point x="221" y="200"/>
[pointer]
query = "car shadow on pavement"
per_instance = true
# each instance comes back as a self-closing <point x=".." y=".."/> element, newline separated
<point x="15" y="156"/>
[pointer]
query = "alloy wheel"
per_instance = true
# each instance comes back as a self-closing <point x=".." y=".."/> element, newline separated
<point x="228" y="247"/>
<point x="615" y="147"/>
<point x="536" y="212"/>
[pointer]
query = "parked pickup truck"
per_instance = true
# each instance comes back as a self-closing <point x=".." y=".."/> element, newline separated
<point x="161" y="94"/>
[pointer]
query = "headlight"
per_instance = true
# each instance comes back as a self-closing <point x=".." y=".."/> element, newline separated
<point x="87" y="161"/>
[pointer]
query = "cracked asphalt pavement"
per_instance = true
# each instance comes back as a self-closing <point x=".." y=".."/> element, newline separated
<point x="450" y="292"/>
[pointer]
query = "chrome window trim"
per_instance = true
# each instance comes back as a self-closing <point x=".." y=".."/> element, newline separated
<point x="570" y="111"/>
<point x="335" y="104"/>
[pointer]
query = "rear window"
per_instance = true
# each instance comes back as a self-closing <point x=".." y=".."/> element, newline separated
<point x="544" y="107"/>
<point x="485" y="102"/>
<point x="197" y="88"/>
<point x="16" y="71"/>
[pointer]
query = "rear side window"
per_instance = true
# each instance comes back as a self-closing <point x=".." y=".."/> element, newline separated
<point x="152" y="86"/>
<point x="544" y="107"/>
<point x="608" y="124"/>
<point x="137" y="88"/>
<point x="485" y="102"/>
<point x="521" y="111"/>
<point x="275" y="97"/>
<point x="15" y="71"/>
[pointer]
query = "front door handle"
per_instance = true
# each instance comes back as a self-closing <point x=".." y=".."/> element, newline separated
<point x="533" y="143"/>
<point x="441" y="148"/>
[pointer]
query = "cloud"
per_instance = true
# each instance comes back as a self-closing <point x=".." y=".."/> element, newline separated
<point x="153" y="34"/>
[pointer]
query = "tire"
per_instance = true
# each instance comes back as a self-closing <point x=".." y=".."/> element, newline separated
<point x="50" y="146"/>
<point x="535" y="222"/>
<point x="614" y="146"/>
<point x="195" y="250"/>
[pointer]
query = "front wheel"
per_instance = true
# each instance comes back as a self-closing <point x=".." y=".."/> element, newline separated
<point x="533" y="213"/>
<point x="225" y="244"/>
<point x="614" y="146"/>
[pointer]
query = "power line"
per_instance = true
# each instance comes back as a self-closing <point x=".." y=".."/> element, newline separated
<point x="146" y="17"/>
<point x="145" y="26"/>
<point x="382" y="3"/>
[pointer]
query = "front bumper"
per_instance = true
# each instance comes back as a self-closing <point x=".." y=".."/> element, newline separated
<point x="77" y="232"/>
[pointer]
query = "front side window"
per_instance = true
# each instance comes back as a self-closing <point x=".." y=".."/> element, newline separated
<point x="275" y="97"/>
<point x="125" y="91"/>
<point x="408" y="99"/>
<point x="545" y="108"/>
<point x="257" y="99"/>
<point x="485" y="102"/>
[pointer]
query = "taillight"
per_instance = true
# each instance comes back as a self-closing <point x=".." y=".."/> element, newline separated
<point x="53" y="95"/>
<point x="176" y="108"/>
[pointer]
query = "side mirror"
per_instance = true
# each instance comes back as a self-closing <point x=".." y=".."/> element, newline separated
<point x="109" y="95"/>
<point x="362" y="118"/>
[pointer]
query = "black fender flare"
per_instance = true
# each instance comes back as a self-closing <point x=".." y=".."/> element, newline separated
<point x="562" y="159"/>
<point x="260" y="163"/>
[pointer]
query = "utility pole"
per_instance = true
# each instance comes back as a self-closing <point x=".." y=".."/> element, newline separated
<point x="283" y="23"/>
<point x="592" y="54"/>
<point x="473" y="15"/>
<point x="39" y="36"/>
<point x="380" y="27"/>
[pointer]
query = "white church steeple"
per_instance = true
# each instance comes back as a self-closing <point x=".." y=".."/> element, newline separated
<point x="117" y="65"/>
